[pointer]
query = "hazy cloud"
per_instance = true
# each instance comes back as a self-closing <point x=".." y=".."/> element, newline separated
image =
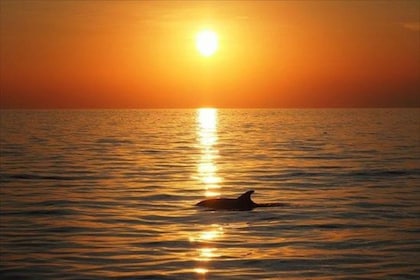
<point x="413" y="26"/>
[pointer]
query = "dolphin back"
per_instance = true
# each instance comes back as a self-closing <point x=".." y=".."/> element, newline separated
<point x="242" y="203"/>
<point x="246" y="196"/>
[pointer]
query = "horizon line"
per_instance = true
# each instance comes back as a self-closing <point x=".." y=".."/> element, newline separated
<point x="202" y="107"/>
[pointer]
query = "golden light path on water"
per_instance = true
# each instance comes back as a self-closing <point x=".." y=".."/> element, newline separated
<point x="207" y="174"/>
<point x="207" y="132"/>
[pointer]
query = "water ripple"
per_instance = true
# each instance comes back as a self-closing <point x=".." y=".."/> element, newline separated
<point x="111" y="194"/>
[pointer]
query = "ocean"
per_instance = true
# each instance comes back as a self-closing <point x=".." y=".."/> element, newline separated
<point x="111" y="194"/>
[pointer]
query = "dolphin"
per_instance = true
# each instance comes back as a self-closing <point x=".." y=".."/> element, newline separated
<point x="242" y="203"/>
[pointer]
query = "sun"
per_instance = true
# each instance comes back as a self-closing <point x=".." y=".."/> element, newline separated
<point x="206" y="42"/>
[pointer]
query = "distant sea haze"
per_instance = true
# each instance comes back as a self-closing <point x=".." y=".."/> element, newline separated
<point x="111" y="194"/>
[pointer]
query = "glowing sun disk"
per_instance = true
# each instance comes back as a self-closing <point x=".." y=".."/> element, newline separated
<point x="206" y="42"/>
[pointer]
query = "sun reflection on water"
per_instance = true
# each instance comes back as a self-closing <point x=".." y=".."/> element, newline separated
<point x="207" y="133"/>
<point x="206" y="250"/>
<point x="207" y="175"/>
<point x="207" y="118"/>
<point x="206" y="254"/>
<point x="201" y="270"/>
<point x="216" y="231"/>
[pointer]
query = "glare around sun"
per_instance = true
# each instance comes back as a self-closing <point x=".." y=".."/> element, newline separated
<point x="206" y="42"/>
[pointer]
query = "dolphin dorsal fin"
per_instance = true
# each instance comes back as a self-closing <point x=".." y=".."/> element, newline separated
<point x="246" y="195"/>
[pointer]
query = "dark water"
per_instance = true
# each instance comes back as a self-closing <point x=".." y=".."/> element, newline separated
<point x="111" y="194"/>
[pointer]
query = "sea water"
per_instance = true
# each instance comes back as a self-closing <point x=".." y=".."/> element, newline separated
<point x="110" y="194"/>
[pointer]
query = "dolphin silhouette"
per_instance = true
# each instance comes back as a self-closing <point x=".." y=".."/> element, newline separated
<point x="242" y="203"/>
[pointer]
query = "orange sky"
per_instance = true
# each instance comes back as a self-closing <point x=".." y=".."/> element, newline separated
<point x="141" y="54"/>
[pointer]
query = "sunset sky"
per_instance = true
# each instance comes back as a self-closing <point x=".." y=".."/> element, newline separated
<point x="142" y="54"/>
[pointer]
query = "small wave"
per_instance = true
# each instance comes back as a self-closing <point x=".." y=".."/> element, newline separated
<point x="28" y="176"/>
<point x="151" y="151"/>
<point x="384" y="173"/>
<point x="113" y="141"/>
<point x="40" y="177"/>
<point x="289" y="175"/>
<point x="40" y="212"/>
<point x="164" y="197"/>
<point x="378" y="173"/>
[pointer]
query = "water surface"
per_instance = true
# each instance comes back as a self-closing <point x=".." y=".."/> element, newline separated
<point x="110" y="194"/>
